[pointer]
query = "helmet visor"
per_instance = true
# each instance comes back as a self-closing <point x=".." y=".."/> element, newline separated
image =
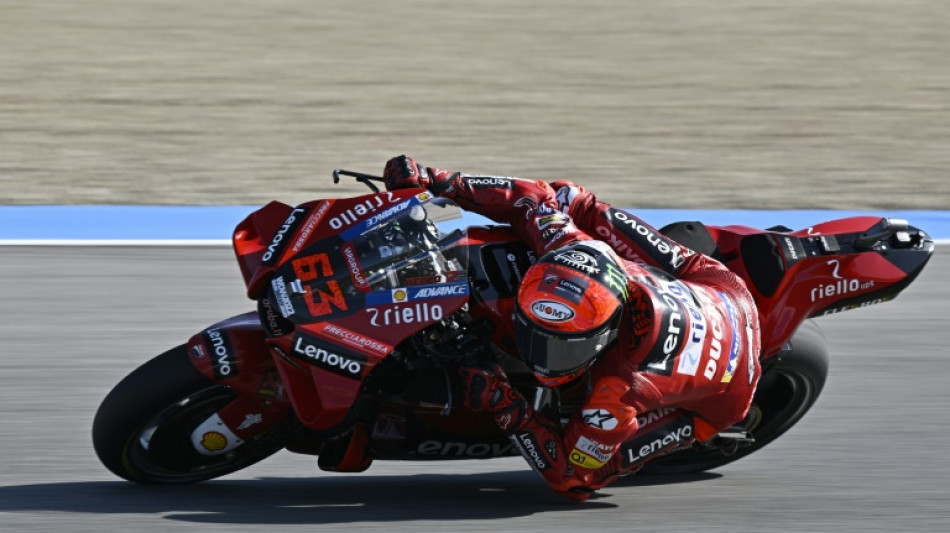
<point x="551" y="355"/>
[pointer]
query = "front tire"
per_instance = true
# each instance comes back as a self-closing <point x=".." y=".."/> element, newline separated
<point x="789" y="386"/>
<point x="142" y="430"/>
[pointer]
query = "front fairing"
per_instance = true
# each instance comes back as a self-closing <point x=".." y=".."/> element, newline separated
<point x="348" y="281"/>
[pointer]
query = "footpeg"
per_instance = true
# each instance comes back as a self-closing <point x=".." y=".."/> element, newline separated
<point x="732" y="440"/>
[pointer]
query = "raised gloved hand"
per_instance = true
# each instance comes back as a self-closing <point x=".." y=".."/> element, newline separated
<point x="486" y="388"/>
<point x="403" y="172"/>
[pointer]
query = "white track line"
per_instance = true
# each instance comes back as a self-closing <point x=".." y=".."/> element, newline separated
<point x="159" y="242"/>
<point x="115" y="242"/>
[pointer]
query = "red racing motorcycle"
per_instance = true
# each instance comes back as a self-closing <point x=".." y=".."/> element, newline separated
<point x="367" y="306"/>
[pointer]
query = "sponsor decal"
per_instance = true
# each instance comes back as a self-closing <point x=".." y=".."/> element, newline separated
<point x="433" y="279"/>
<point x="417" y="292"/>
<point x="793" y="249"/>
<point x="213" y="437"/>
<point x="565" y="196"/>
<point x="672" y="315"/>
<point x="589" y="453"/>
<point x="840" y="287"/>
<point x="356" y="271"/>
<point x="285" y="229"/>
<point x="658" y="442"/>
<point x="439" y="291"/>
<point x="735" y="346"/>
<point x="599" y="418"/>
<point x="250" y="420"/>
<point x="284" y="304"/>
<point x="513" y="264"/>
<point x="617" y="279"/>
<point x="578" y="260"/>
<point x="574" y="286"/>
<point x="715" y="346"/>
<point x="223" y="360"/>
<point x="197" y="351"/>
<point x="404" y="314"/>
<point x="314" y="351"/>
<point x="388" y="213"/>
<point x="530" y="449"/>
<point x="651" y="417"/>
<point x="583" y="460"/>
<point x="551" y="311"/>
<point x="312" y="222"/>
<point x="571" y="289"/>
<point x="530" y="203"/>
<point x="552" y="238"/>
<point x="662" y="250"/>
<point x="489" y="182"/>
<point x="356" y="340"/>
<point x="833" y="310"/>
<point x="271" y="319"/>
<point x="214" y="441"/>
<point x="465" y="449"/>
<point x="504" y="421"/>
<point x="551" y="448"/>
<point x="353" y="214"/>
<point x="750" y="338"/>
<point x="683" y="328"/>
<point x="545" y="221"/>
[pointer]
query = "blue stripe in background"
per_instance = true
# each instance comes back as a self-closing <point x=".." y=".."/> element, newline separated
<point x="186" y="223"/>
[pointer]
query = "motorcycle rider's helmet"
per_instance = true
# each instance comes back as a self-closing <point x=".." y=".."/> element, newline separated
<point x="568" y="310"/>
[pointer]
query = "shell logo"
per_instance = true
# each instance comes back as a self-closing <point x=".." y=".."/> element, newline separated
<point x="422" y="197"/>
<point x="214" y="441"/>
<point x="400" y="295"/>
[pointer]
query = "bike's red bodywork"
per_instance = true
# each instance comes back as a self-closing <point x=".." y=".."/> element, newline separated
<point x="792" y="274"/>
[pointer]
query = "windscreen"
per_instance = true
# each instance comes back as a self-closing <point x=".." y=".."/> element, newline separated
<point x="411" y="249"/>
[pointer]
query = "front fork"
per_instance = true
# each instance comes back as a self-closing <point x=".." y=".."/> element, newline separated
<point x="233" y="352"/>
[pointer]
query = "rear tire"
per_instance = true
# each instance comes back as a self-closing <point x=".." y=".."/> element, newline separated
<point x="142" y="430"/>
<point x="789" y="386"/>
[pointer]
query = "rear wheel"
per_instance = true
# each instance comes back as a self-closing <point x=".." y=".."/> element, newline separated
<point x="142" y="431"/>
<point x="789" y="386"/>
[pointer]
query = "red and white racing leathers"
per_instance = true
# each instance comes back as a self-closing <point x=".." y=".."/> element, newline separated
<point x="686" y="362"/>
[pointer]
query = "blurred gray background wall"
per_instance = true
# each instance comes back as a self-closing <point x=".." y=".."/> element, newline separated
<point x="654" y="103"/>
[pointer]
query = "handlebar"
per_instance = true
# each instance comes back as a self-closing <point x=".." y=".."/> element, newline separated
<point x="366" y="179"/>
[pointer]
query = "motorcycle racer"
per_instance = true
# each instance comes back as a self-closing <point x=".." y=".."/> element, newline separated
<point x="651" y="325"/>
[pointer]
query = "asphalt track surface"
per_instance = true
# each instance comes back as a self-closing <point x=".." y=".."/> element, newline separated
<point x="871" y="456"/>
<point x="691" y="104"/>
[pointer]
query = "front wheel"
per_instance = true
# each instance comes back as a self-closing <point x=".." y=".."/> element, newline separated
<point x="142" y="431"/>
<point x="789" y="386"/>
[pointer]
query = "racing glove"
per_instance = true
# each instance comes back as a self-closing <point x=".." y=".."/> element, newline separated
<point x="403" y="172"/>
<point x="486" y="388"/>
